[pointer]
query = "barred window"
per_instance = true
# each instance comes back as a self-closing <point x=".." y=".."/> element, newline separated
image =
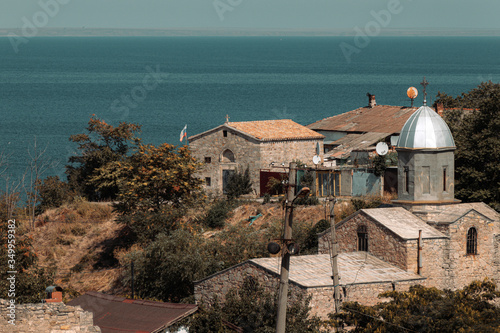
<point x="472" y="241"/>
<point x="362" y="238"/>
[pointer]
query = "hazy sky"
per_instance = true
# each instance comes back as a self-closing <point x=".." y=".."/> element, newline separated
<point x="288" y="14"/>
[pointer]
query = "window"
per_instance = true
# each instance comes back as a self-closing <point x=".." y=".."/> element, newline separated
<point x="362" y="238"/>
<point x="208" y="181"/>
<point x="444" y="179"/>
<point x="208" y="160"/>
<point x="472" y="241"/>
<point x="228" y="156"/>
<point x="224" y="133"/>
<point x="407" y="179"/>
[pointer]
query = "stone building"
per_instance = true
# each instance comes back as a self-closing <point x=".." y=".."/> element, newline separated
<point x="257" y="145"/>
<point x="426" y="233"/>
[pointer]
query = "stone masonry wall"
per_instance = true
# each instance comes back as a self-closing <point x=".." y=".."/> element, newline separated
<point x="381" y="242"/>
<point x="246" y="153"/>
<point x="435" y="265"/>
<point x="255" y="155"/>
<point x="465" y="268"/>
<point x="46" y="318"/>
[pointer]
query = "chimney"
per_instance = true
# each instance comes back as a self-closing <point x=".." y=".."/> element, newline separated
<point x="371" y="100"/>
<point x="440" y="109"/>
<point x="54" y="294"/>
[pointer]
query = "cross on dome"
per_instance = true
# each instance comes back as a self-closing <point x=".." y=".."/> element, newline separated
<point x="424" y="83"/>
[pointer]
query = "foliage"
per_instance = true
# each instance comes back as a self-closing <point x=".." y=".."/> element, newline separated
<point x="101" y="144"/>
<point x="166" y="269"/>
<point x="238" y="184"/>
<point x="30" y="280"/>
<point x="145" y="226"/>
<point x="218" y="212"/>
<point x="157" y="176"/>
<point x="252" y="309"/>
<point x="307" y="179"/>
<point x="237" y="244"/>
<point x="424" y="309"/>
<point x="310" y="245"/>
<point x="362" y="203"/>
<point x="308" y="200"/>
<point x="275" y="185"/>
<point x="53" y="193"/>
<point x="266" y="199"/>
<point x="379" y="165"/>
<point x="477" y="176"/>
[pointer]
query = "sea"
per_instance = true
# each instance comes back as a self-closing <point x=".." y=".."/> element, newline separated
<point x="51" y="86"/>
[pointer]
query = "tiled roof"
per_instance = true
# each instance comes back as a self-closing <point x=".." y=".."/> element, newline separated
<point x="354" y="268"/>
<point x="380" y="118"/>
<point x="403" y="223"/>
<point x="117" y="314"/>
<point x="271" y="130"/>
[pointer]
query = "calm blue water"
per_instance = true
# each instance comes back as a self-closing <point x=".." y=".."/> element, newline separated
<point x="53" y="85"/>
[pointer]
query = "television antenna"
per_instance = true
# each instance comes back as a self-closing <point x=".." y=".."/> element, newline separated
<point x="381" y="148"/>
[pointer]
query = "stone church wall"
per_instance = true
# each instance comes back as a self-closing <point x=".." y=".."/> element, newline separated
<point x="435" y="265"/>
<point x="46" y="318"/>
<point x="246" y="154"/>
<point x="381" y="243"/>
<point x="255" y="155"/>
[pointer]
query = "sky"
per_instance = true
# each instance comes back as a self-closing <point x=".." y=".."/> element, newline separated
<point x="258" y="14"/>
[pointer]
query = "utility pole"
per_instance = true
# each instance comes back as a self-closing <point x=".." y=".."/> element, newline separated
<point x="333" y="255"/>
<point x="285" y="261"/>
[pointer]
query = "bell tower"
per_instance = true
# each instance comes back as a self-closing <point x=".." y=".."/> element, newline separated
<point x="426" y="161"/>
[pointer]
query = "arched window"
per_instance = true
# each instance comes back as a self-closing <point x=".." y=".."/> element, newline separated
<point x="362" y="238"/>
<point x="228" y="156"/>
<point x="472" y="241"/>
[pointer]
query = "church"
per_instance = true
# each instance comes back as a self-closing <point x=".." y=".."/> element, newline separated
<point x="424" y="237"/>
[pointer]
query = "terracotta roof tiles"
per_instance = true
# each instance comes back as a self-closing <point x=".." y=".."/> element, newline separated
<point x="271" y="130"/>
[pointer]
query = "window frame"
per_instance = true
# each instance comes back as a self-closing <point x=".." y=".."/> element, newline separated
<point x="471" y="241"/>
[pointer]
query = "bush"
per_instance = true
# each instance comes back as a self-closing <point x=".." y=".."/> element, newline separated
<point x="53" y="193"/>
<point x="218" y="213"/>
<point x="266" y="199"/>
<point x="311" y="241"/>
<point x="238" y="184"/>
<point x="310" y="200"/>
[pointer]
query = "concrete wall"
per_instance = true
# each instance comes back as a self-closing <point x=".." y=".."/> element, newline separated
<point x="346" y="182"/>
<point x="46" y="318"/>
<point x="364" y="183"/>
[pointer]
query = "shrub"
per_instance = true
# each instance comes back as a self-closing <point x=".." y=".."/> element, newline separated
<point x="311" y="241"/>
<point x="53" y="193"/>
<point x="309" y="200"/>
<point x="217" y="214"/>
<point x="238" y="184"/>
<point x="266" y="199"/>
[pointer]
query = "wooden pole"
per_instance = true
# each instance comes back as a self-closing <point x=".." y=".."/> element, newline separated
<point x="285" y="261"/>
<point x="333" y="256"/>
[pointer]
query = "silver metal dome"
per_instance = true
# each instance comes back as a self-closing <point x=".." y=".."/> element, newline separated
<point x="425" y="129"/>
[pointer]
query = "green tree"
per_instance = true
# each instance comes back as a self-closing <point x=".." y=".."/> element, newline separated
<point x="253" y="309"/>
<point x="239" y="183"/>
<point x="477" y="169"/>
<point x="155" y="176"/>
<point x="424" y="309"/>
<point x="166" y="269"/>
<point x="53" y="193"/>
<point x="101" y="144"/>
<point x="16" y="250"/>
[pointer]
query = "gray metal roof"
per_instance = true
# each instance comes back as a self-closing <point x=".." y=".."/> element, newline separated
<point x="425" y="129"/>
<point x="354" y="268"/>
<point x="403" y="223"/>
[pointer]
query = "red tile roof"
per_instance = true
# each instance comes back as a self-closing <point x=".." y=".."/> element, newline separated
<point x="380" y="119"/>
<point x="117" y="314"/>
<point x="271" y="130"/>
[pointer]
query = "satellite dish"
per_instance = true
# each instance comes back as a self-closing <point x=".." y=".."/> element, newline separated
<point x="412" y="92"/>
<point x="382" y="148"/>
<point x="316" y="160"/>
